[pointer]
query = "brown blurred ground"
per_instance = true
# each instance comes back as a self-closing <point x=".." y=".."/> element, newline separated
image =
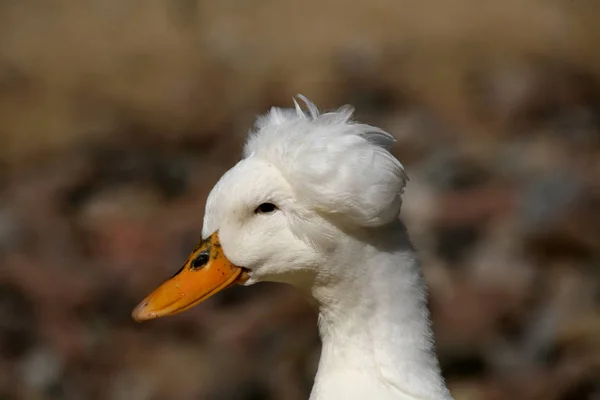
<point x="117" y="117"/>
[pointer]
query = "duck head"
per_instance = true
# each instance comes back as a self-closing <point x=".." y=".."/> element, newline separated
<point x="280" y="213"/>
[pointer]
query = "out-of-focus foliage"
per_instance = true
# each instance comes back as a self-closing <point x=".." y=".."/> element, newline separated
<point x="117" y="117"/>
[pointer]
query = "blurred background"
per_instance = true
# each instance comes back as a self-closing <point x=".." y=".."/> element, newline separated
<point x="118" y="116"/>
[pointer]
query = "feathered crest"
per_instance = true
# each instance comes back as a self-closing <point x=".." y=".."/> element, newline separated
<point x="336" y="165"/>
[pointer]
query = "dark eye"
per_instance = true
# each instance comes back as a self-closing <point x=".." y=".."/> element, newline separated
<point x="265" y="208"/>
<point x="200" y="261"/>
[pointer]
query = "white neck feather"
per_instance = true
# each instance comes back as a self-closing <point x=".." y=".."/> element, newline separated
<point x="374" y="322"/>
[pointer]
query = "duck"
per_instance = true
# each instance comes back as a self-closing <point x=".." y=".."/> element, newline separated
<point x="315" y="202"/>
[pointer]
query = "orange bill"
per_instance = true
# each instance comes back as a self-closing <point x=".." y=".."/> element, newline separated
<point x="206" y="272"/>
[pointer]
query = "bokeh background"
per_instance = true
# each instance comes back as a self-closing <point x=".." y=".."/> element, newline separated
<point x="118" y="116"/>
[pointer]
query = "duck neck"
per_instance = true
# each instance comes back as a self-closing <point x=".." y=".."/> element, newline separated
<point x="374" y="323"/>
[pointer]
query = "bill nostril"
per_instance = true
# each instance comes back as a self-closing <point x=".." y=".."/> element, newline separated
<point x="200" y="261"/>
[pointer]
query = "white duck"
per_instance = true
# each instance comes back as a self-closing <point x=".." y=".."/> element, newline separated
<point x="315" y="203"/>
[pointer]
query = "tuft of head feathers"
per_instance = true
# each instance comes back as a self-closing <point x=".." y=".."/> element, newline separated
<point x="336" y="166"/>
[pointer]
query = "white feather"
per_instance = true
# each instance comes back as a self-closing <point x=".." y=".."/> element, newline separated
<point x="335" y="235"/>
<point x="338" y="166"/>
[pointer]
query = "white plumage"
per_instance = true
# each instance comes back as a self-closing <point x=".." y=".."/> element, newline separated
<point x="336" y="235"/>
<point x="315" y="203"/>
<point x="337" y="166"/>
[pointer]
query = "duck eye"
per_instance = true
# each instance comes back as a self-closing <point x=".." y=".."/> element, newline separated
<point x="265" y="208"/>
<point x="200" y="261"/>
